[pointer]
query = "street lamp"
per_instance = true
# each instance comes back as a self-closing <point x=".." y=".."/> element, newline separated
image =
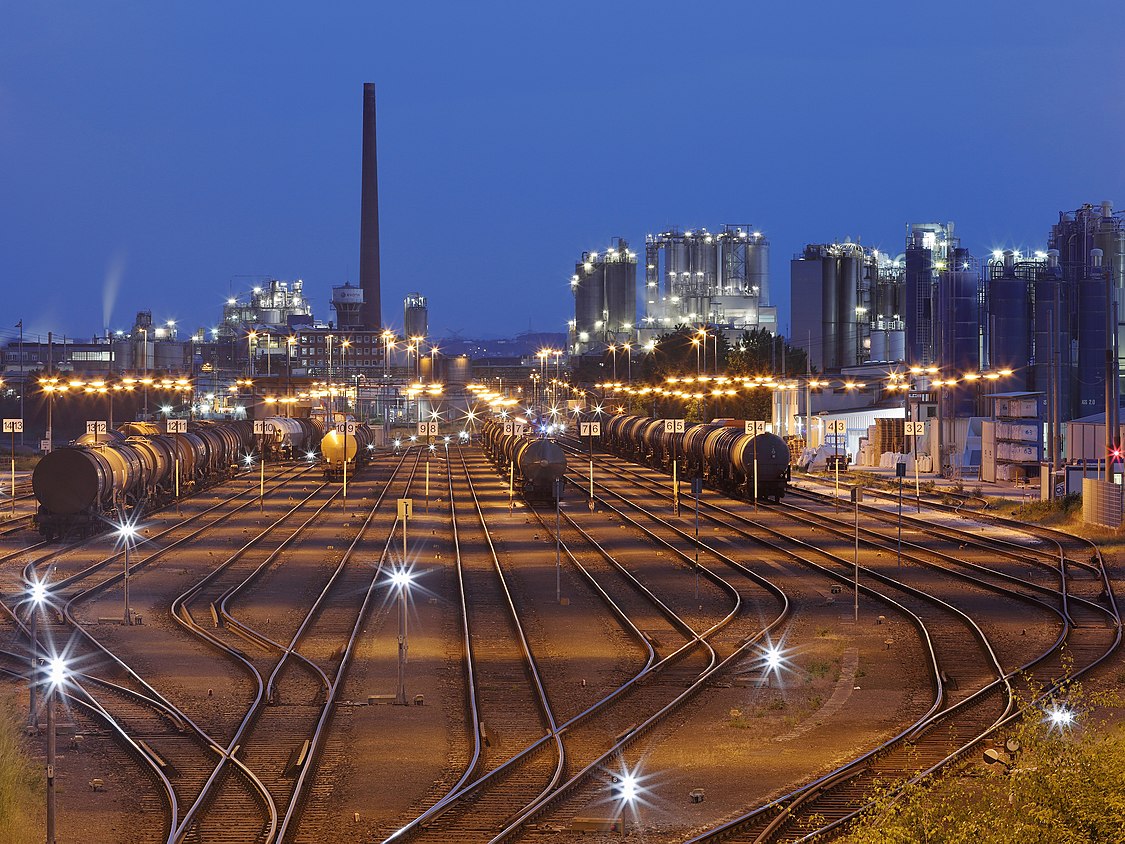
<point x="126" y="532"/>
<point x="37" y="595"/>
<point x="401" y="579"/>
<point x="251" y="336"/>
<point x="417" y="341"/>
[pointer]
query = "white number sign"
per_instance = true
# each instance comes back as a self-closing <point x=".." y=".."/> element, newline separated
<point x="756" y="426"/>
<point x="673" y="426"/>
<point x="95" y="427"/>
<point x="590" y="429"/>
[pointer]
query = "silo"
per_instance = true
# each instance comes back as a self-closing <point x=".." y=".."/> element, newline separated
<point x="847" y="302"/>
<point x="415" y="316"/>
<point x="620" y="283"/>
<point x="704" y="264"/>
<point x="1009" y="326"/>
<point x="675" y="263"/>
<point x="757" y="267"/>
<point x="589" y="296"/>
<point x="830" y="308"/>
<point x="879" y="345"/>
<point x="1092" y="341"/>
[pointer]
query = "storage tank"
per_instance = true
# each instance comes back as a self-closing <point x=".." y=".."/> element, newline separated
<point x="458" y="369"/>
<point x="675" y="263"/>
<point x="1009" y="315"/>
<point x="879" y="346"/>
<point x="620" y="288"/>
<point x="415" y="316"/>
<point x="848" y="301"/>
<point x="589" y="295"/>
<point x="830" y="308"/>
<point x="1091" y="323"/>
<point x="757" y="267"/>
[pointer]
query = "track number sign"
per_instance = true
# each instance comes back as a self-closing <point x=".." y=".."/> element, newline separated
<point x="836" y="426"/>
<point x="96" y="427"/>
<point x="673" y="426"/>
<point x="178" y="426"/>
<point x="13" y="426"/>
<point x="756" y="426"/>
<point x="348" y="428"/>
<point x="590" y="429"/>
<point x="427" y="429"/>
<point x="915" y="429"/>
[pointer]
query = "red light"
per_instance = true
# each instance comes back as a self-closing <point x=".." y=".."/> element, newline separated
<point x="1116" y="454"/>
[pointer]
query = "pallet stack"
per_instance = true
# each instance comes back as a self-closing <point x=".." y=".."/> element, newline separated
<point x="796" y="446"/>
<point x="888" y="435"/>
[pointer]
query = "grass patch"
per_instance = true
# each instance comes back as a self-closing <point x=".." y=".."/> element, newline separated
<point x="18" y="781"/>
<point x="818" y="668"/>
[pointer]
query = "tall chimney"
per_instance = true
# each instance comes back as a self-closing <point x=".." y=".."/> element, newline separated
<point x="371" y="311"/>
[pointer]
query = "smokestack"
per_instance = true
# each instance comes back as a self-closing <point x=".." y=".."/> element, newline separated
<point x="371" y="311"/>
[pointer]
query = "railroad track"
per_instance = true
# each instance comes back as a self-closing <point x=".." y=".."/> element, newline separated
<point x="1089" y="632"/>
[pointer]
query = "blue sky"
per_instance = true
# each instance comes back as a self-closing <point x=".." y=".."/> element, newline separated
<point x="154" y="155"/>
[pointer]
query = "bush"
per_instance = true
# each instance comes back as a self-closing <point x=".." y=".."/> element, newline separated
<point x="1065" y="786"/>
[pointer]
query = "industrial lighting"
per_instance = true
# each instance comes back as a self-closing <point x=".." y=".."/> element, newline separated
<point x="1059" y="717"/>
<point x="57" y="671"/>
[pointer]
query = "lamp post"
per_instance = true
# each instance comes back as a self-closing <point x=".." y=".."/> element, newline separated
<point x="144" y="369"/>
<point x="401" y="580"/>
<point x="57" y="674"/>
<point x="126" y="532"/>
<point x="560" y="485"/>
<point x="417" y="341"/>
<point x="37" y="596"/>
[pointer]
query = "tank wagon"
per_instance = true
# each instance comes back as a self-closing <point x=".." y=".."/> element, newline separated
<point x="723" y="456"/>
<point x="134" y="470"/>
<point x="353" y="450"/>
<point x="290" y="438"/>
<point x="537" y="463"/>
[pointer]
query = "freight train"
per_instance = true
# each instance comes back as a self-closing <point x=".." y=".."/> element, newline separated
<point x="535" y="463"/>
<point x="351" y="450"/>
<point x="290" y="438"/>
<point x="724" y="456"/>
<point x="130" y="471"/>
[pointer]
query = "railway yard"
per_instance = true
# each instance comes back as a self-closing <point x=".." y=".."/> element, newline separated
<point x="303" y="666"/>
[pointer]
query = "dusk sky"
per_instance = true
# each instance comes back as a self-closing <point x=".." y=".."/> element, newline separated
<point x="160" y="155"/>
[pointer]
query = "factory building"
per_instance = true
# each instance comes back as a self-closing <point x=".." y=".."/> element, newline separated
<point x="1052" y="317"/>
<point x="941" y="294"/>
<point x="848" y="305"/>
<point x="694" y="277"/>
<point x="605" y="298"/>
<point x="276" y="305"/>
